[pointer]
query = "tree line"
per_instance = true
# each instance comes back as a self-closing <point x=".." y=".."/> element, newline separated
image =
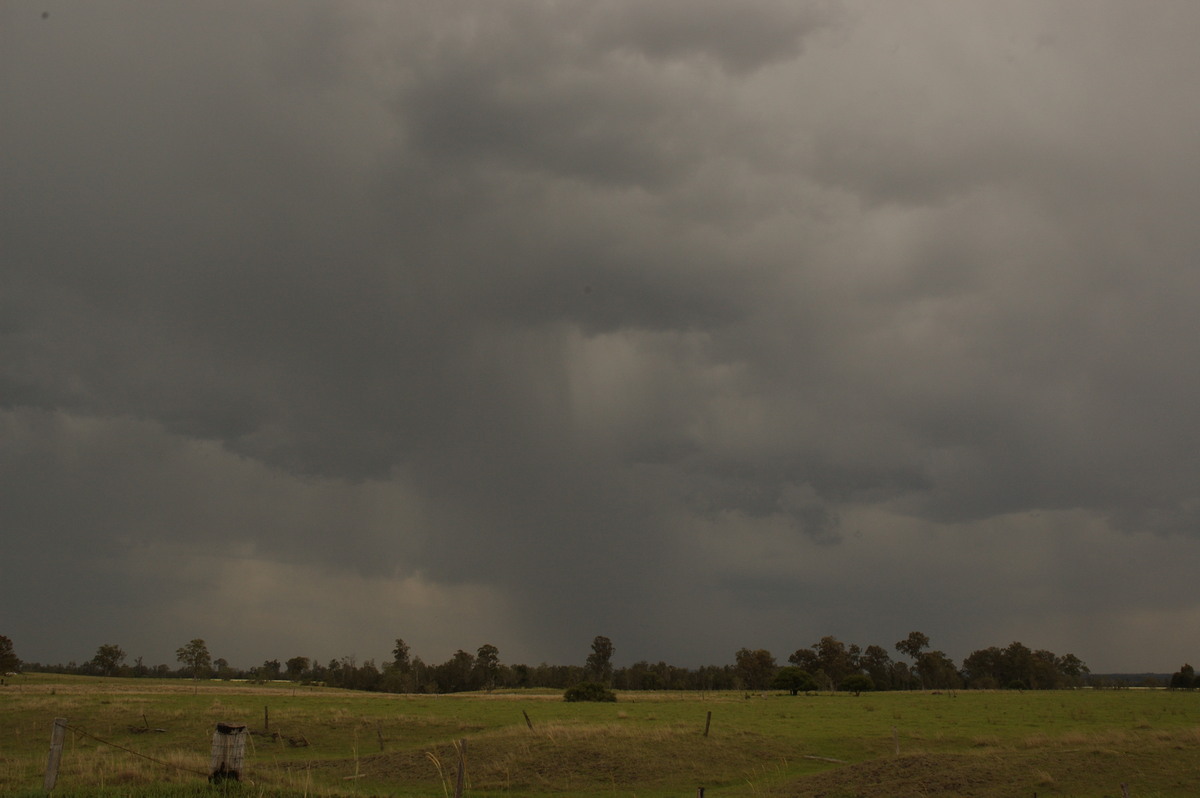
<point x="827" y="665"/>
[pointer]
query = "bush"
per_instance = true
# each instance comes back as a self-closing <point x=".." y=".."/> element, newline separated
<point x="794" y="680"/>
<point x="857" y="683"/>
<point x="589" y="691"/>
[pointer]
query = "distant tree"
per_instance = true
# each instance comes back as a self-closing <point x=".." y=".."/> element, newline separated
<point x="876" y="663"/>
<point x="1018" y="667"/>
<point x="857" y="683"/>
<point x="1073" y="669"/>
<point x="221" y="665"/>
<point x="271" y="669"/>
<point x="589" y="691"/>
<point x="455" y="674"/>
<point x="834" y="659"/>
<point x="1184" y="678"/>
<point x="599" y="662"/>
<point x="805" y="659"/>
<point x="296" y="666"/>
<point x="902" y="676"/>
<point x="641" y="675"/>
<point x="365" y="677"/>
<point x="984" y="668"/>
<point x="108" y="659"/>
<point x="487" y="666"/>
<point x="912" y="645"/>
<point x="756" y="668"/>
<point x="195" y="658"/>
<point x="400" y="656"/>
<point x="937" y="671"/>
<point x="8" y="658"/>
<point x="794" y="680"/>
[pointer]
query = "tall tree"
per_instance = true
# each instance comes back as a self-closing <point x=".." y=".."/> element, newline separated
<point x="8" y="658"/>
<point x="912" y="645"/>
<point x="599" y="662"/>
<point x="195" y="658"/>
<point x="756" y="668"/>
<point x="1072" y="669"/>
<point x="487" y="665"/>
<point x="296" y="666"/>
<point x="937" y="671"/>
<point x="108" y="659"/>
<point x="400" y="656"/>
<point x="984" y="668"/>
<point x="835" y="660"/>
<point x="805" y="659"/>
<point x="876" y="663"/>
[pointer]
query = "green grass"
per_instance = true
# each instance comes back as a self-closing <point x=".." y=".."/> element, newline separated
<point x="327" y="742"/>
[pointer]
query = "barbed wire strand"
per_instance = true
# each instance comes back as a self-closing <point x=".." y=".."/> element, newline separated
<point x="86" y="733"/>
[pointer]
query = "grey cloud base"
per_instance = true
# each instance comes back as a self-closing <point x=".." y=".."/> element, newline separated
<point x="525" y="323"/>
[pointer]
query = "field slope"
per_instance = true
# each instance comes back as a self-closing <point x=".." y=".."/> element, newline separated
<point x="135" y="737"/>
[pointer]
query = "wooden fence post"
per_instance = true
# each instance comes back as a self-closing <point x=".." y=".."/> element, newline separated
<point x="707" y="722"/>
<point x="56" y="744"/>
<point x="528" y="722"/>
<point x="228" y="753"/>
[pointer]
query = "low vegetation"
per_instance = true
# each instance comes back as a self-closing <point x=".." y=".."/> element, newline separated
<point x="143" y="737"/>
<point x="589" y="691"/>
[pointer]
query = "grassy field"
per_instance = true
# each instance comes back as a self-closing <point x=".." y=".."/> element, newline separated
<point x="323" y="742"/>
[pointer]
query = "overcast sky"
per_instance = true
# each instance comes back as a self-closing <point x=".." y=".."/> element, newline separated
<point x="695" y="324"/>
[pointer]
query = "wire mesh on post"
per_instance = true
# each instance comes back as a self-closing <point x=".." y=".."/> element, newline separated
<point x="228" y="753"/>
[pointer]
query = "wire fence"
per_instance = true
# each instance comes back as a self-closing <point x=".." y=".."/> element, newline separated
<point x="82" y="731"/>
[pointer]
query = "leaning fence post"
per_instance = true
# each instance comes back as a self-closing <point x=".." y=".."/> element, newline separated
<point x="56" y="744"/>
<point x="707" y="722"/>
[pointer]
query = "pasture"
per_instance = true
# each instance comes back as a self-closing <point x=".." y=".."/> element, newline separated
<point x="143" y="737"/>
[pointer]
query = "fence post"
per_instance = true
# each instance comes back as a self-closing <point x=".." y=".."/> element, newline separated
<point x="56" y="745"/>
<point x="707" y="722"/>
<point x="228" y="753"/>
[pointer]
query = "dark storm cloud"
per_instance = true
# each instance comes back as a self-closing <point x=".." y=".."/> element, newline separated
<point x="574" y="311"/>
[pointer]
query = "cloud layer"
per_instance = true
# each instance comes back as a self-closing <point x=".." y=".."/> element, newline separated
<point x="521" y="323"/>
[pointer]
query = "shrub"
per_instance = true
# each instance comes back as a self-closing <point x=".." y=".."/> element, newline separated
<point x="589" y="691"/>
<point x="857" y="683"/>
<point x="794" y="680"/>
